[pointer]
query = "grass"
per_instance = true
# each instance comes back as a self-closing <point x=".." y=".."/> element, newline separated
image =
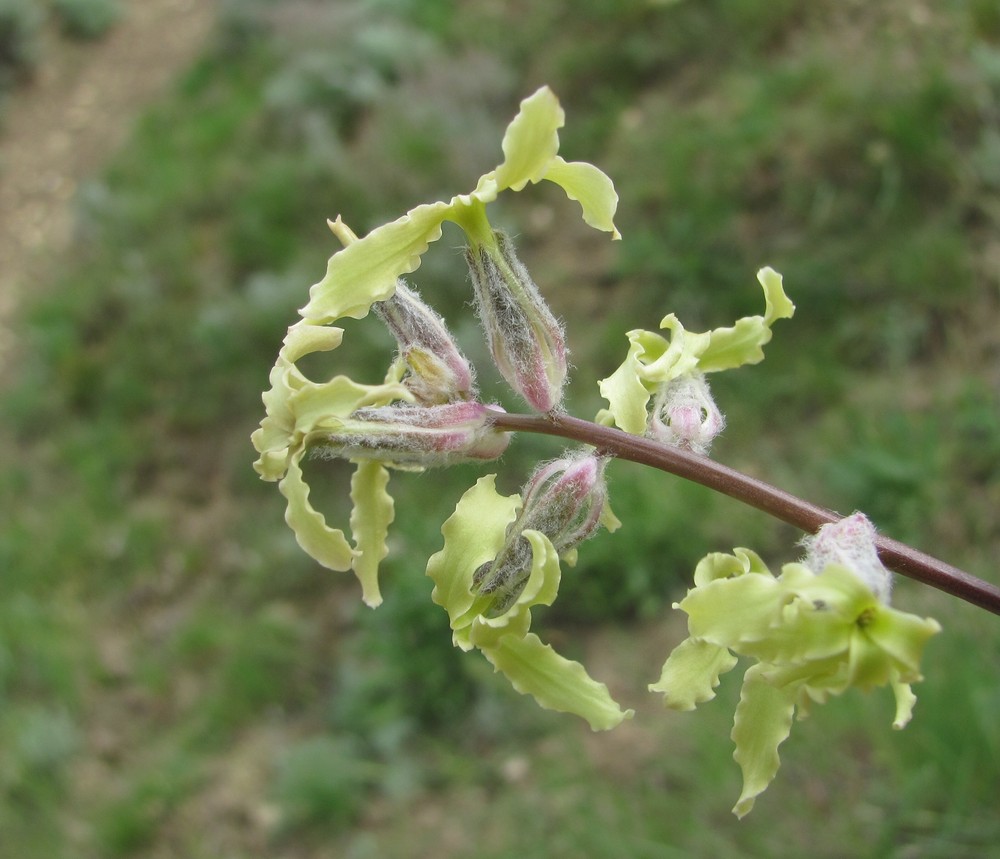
<point x="177" y="678"/>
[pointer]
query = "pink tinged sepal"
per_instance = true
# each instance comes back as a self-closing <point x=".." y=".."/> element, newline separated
<point x="565" y="500"/>
<point x="417" y="436"/>
<point x="526" y="341"/>
<point x="684" y="414"/>
<point x="437" y="371"/>
<point x="850" y="542"/>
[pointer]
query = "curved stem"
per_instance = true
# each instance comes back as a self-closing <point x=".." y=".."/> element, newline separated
<point x="789" y="508"/>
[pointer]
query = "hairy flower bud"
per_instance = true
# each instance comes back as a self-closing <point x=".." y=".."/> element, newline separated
<point x="684" y="414"/>
<point x="421" y="436"/>
<point x="438" y="371"/>
<point x="526" y="341"/>
<point x="564" y="500"/>
<point x="850" y="542"/>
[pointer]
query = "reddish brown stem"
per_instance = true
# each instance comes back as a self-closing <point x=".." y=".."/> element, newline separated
<point x="789" y="508"/>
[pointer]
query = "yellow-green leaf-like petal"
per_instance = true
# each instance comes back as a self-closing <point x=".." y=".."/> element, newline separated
<point x="722" y="565"/>
<point x="802" y="634"/>
<point x="366" y="270"/>
<point x="325" y="406"/>
<point x="473" y="535"/>
<point x="743" y="342"/>
<point x="777" y="305"/>
<point x="691" y="673"/>
<point x="763" y="722"/>
<point x="591" y="188"/>
<point x="902" y="636"/>
<point x="531" y="141"/>
<point x="729" y="612"/>
<point x="327" y="545"/>
<point x="371" y="516"/>
<point x="555" y="682"/>
<point x="905" y="699"/>
<point x="627" y="396"/>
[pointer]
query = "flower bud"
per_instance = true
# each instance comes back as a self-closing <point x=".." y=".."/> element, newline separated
<point x="419" y="436"/>
<point x="438" y="371"/>
<point x="850" y="542"/>
<point x="564" y="500"/>
<point x="685" y="415"/>
<point x="526" y="341"/>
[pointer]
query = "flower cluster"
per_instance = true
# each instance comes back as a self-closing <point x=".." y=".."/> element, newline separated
<point x="819" y="628"/>
<point x="672" y="373"/>
<point x="425" y="413"/>
<point x="501" y="557"/>
<point x="815" y="630"/>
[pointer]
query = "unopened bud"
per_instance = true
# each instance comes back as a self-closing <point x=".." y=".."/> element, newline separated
<point x="421" y="436"/>
<point x="685" y="415"/>
<point x="850" y="542"/>
<point x="526" y="341"/>
<point x="564" y="500"/>
<point x="438" y="371"/>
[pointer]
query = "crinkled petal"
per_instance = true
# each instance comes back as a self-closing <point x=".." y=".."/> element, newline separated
<point x="326" y="545"/>
<point x="763" y="722"/>
<point x="277" y="430"/>
<point x="836" y="589"/>
<point x="627" y="396"/>
<point x="304" y="339"/>
<point x="325" y="407"/>
<point x="591" y="188"/>
<point x="652" y="361"/>
<point x="691" y="673"/>
<point x="473" y="535"/>
<point x="682" y="354"/>
<point x="370" y="519"/>
<point x="531" y="141"/>
<point x="729" y="612"/>
<point x="555" y="682"/>
<point x="803" y="633"/>
<point x="777" y="305"/>
<point x="721" y="565"/>
<point x="743" y="343"/>
<point x="905" y="699"/>
<point x="366" y="270"/>
<point x="902" y="636"/>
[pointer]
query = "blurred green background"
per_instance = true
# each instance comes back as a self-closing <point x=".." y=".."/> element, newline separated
<point x="177" y="679"/>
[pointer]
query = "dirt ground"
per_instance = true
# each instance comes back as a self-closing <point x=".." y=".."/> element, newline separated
<point x="69" y="120"/>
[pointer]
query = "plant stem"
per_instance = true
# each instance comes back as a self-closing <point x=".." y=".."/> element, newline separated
<point x="789" y="508"/>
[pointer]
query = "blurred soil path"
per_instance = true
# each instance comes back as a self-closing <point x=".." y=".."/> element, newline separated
<point x="69" y="120"/>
